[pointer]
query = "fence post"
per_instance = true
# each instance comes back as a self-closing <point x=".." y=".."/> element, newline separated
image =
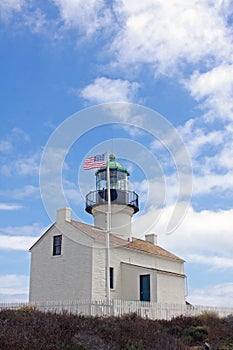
<point x="120" y="307"/>
<point x="112" y="308"/>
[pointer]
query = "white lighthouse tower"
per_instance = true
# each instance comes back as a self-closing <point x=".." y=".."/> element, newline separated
<point x="73" y="260"/>
<point x="124" y="203"/>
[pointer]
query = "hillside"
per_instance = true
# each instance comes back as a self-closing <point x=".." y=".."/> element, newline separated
<point x="31" y="329"/>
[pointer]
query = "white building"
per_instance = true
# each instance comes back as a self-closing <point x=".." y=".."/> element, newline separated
<point x="68" y="262"/>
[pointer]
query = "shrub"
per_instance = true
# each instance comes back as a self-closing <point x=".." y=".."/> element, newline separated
<point x="28" y="328"/>
<point x="205" y="316"/>
<point x="27" y="308"/>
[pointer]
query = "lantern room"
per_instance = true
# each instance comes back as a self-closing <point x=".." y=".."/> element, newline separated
<point x="118" y="187"/>
<point x="118" y="176"/>
<point x="124" y="203"/>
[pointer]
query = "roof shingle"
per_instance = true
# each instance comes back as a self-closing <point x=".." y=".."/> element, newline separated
<point x="98" y="234"/>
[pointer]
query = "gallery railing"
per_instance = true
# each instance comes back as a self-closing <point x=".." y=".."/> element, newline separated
<point x="122" y="197"/>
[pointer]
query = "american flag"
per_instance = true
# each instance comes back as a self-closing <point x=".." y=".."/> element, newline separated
<point x="97" y="161"/>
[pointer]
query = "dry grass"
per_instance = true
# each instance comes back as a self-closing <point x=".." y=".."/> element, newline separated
<point x="30" y="329"/>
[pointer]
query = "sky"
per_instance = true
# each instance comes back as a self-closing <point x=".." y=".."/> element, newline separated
<point x="152" y="82"/>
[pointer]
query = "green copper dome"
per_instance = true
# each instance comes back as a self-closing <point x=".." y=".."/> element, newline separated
<point x="113" y="165"/>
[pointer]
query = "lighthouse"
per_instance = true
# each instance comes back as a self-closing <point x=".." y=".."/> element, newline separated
<point x="123" y="202"/>
<point x="74" y="261"/>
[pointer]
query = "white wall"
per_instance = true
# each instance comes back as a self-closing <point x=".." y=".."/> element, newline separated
<point x="131" y="282"/>
<point x="98" y="272"/>
<point x="126" y="277"/>
<point x="164" y="287"/>
<point x="171" y="288"/>
<point x="79" y="272"/>
<point x="121" y="216"/>
<point x="63" y="277"/>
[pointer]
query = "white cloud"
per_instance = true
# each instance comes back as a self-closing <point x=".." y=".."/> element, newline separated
<point x="22" y="166"/>
<point x="211" y="151"/>
<point x="19" y="134"/>
<point x="216" y="262"/>
<point x="219" y="80"/>
<point x="85" y="15"/>
<point x="27" y="165"/>
<point x="13" y="284"/>
<point x="199" y="233"/>
<point x="209" y="182"/>
<point x="7" y="206"/>
<point x="72" y="191"/>
<point x="24" y="13"/>
<point x="20" y="237"/>
<point x="53" y="157"/>
<point x="166" y="35"/>
<point x="215" y="87"/>
<point x="35" y="20"/>
<point x="51" y="170"/>
<point x="214" y="295"/>
<point x="162" y="191"/>
<point x="104" y="90"/>
<point x="16" y="242"/>
<point x="5" y="146"/>
<point x="8" y="7"/>
<point x="14" y="137"/>
<point x="27" y="191"/>
<point x="33" y="230"/>
<point x="196" y="137"/>
<point x="169" y="34"/>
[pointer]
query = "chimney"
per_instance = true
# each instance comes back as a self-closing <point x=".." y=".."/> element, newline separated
<point x="63" y="214"/>
<point x="152" y="238"/>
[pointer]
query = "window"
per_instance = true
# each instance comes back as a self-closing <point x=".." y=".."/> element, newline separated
<point x="57" y="240"/>
<point x="111" y="275"/>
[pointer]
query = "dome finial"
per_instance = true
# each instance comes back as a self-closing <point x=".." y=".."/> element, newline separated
<point x="112" y="157"/>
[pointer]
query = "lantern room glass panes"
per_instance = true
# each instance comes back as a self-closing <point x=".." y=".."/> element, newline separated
<point x="118" y="180"/>
<point x="101" y="180"/>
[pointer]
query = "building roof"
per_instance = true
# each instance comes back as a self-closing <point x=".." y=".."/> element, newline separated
<point x="148" y="247"/>
<point x="98" y="234"/>
<point x="113" y="165"/>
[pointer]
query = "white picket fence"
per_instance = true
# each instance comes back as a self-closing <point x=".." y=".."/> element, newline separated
<point x="150" y="310"/>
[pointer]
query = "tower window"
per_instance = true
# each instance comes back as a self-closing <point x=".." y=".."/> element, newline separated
<point x="57" y="241"/>
<point x="111" y="275"/>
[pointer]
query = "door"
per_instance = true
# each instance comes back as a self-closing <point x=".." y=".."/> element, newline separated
<point x="144" y="287"/>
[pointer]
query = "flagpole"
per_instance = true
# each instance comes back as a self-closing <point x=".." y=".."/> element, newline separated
<point x="108" y="232"/>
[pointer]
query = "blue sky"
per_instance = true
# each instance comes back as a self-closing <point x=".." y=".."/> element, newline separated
<point x="61" y="58"/>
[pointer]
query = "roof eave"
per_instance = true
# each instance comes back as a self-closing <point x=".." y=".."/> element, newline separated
<point x="41" y="237"/>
